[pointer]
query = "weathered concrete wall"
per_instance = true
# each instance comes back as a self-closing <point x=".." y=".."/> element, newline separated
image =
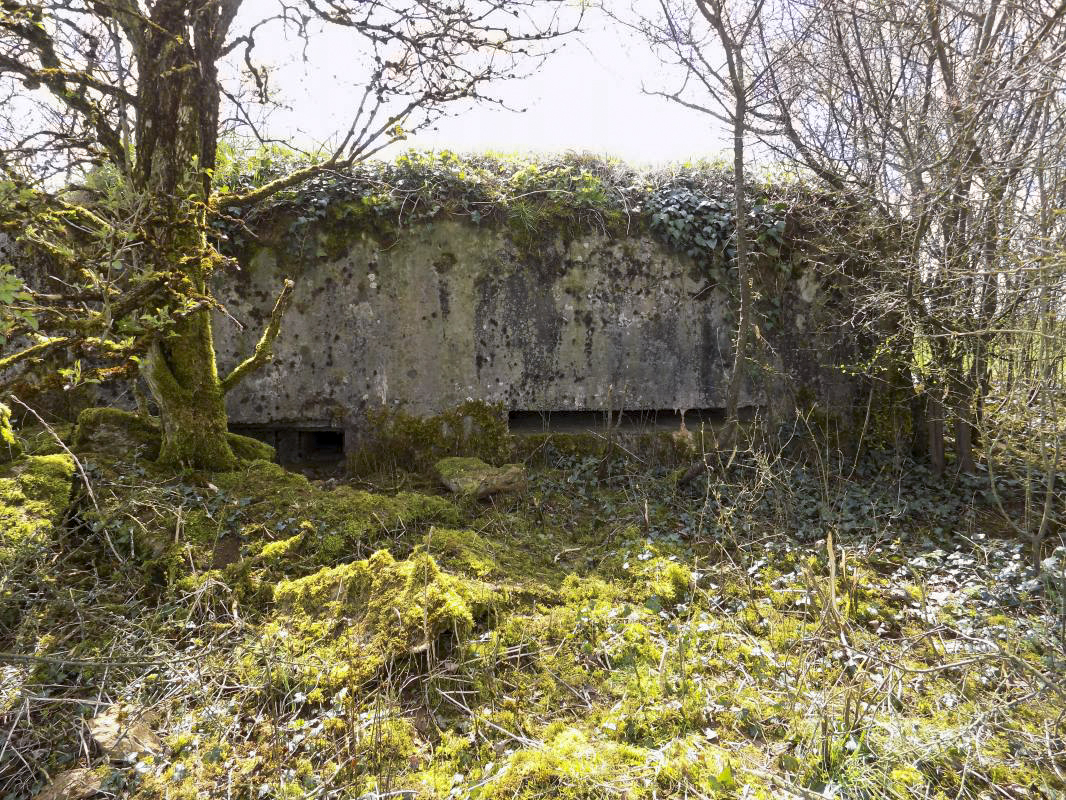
<point x="453" y="312"/>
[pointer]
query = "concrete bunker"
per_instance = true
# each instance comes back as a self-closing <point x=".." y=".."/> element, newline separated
<point x="560" y="338"/>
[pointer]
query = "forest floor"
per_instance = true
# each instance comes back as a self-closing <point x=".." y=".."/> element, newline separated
<point x="774" y="630"/>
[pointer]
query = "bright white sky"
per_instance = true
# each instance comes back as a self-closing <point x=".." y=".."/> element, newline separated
<point x="587" y="97"/>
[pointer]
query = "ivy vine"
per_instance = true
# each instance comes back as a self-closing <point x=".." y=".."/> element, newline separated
<point x="536" y="200"/>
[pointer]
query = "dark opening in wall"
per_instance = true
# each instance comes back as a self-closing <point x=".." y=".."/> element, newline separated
<point x="299" y="444"/>
<point x="323" y="445"/>
<point x="628" y="420"/>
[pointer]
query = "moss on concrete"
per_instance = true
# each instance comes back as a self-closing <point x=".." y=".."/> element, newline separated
<point x="665" y="448"/>
<point x="472" y="477"/>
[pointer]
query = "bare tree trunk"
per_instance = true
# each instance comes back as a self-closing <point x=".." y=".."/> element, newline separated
<point x="744" y="323"/>
<point x="934" y="421"/>
<point x="964" y="445"/>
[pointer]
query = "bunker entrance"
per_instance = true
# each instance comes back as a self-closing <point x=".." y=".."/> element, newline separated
<point x="301" y="445"/>
<point x="624" y="421"/>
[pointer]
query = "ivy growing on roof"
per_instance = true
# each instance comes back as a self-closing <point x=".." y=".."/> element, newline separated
<point x="537" y="200"/>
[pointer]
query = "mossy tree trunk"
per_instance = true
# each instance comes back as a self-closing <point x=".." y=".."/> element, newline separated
<point x="180" y="371"/>
<point x="177" y="139"/>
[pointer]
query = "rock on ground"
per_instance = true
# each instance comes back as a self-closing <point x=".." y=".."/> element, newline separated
<point x="74" y="784"/>
<point x="472" y="477"/>
<point x="122" y="732"/>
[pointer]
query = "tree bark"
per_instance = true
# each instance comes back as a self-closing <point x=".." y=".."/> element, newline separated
<point x="934" y="420"/>
<point x="744" y="323"/>
<point x="181" y="373"/>
<point x="177" y="139"/>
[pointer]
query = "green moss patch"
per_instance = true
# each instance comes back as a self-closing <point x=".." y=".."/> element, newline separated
<point x="40" y="441"/>
<point x="398" y="440"/>
<point x="261" y="521"/>
<point x="34" y="494"/>
<point x="462" y="549"/>
<point x="118" y="433"/>
<point x="10" y="447"/>
<point x="393" y="609"/>
<point x="248" y="449"/>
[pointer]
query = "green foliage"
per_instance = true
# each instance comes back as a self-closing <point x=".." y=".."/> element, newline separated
<point x="537" y="201"/>
<point x="703" y="226"/>
<point x="15" y="304"/>
<point x="238" y="170"/>
<point x="398" y="440"/>
<point x="10" y="447"/>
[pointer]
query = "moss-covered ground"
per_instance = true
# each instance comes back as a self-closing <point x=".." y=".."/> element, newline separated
<point x="766" y="631"/>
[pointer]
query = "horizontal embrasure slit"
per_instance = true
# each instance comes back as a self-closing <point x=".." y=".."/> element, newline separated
<point x="625" y="420"/>
<point x="298" y="444"/>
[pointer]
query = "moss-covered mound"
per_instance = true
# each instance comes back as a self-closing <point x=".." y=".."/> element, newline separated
<point x="472" y="477"/>
<point x="34" y="494"/>
<point x="261" y="521"/>
<point x="605" y="635"/>
<point x="382" y="609"/>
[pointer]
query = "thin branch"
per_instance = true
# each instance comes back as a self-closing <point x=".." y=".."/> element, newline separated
<point x="264" y="350"/>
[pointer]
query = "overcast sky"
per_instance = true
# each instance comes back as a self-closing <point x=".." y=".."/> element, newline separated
<point x="587" y="97"/>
